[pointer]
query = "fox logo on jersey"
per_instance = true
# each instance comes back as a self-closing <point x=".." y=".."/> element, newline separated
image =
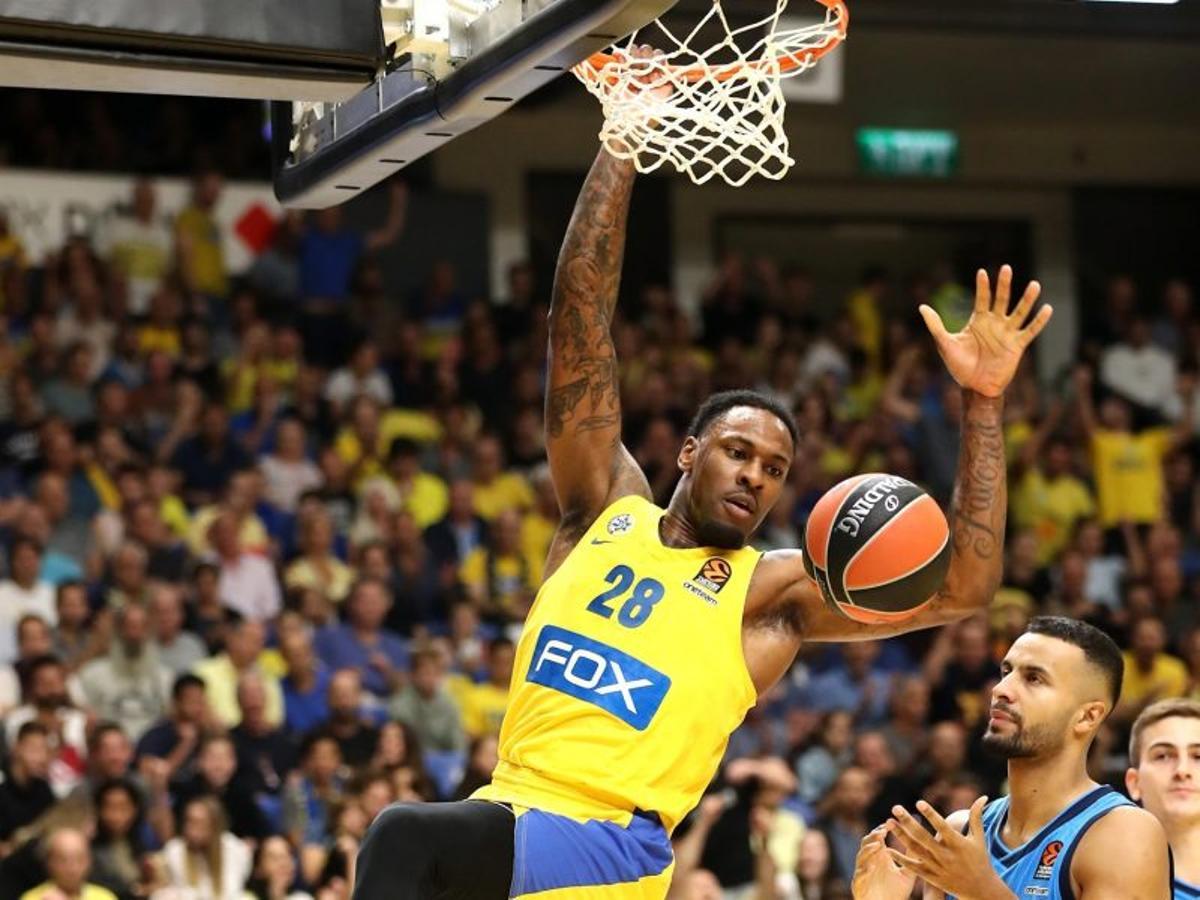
<point x="598" y="674"/>
<point x="1045" y="869"/>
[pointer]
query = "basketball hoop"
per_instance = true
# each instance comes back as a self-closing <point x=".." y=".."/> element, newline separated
<point x="714" y="111"/>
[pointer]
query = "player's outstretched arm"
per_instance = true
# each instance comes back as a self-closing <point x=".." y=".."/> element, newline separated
<point x="588" y="463"/>
<point x="983" y="359"/>
<point x="1124" y="856"/>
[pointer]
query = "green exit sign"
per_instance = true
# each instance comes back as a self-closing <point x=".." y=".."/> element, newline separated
<point x="907" y="153"/>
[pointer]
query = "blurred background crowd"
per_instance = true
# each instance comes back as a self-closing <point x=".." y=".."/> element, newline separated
<point x="267" y="542"/>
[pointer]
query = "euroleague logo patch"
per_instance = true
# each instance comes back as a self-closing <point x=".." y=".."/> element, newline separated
<point x="1045" y="869"/>
<point x="620" y="524"/>
<point x="714" y="574"/>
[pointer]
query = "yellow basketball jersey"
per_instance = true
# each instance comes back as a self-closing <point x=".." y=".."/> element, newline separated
<point x="629" y="675"/>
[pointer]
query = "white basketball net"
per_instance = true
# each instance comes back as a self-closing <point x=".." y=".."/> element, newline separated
<point x="714" y="111"/>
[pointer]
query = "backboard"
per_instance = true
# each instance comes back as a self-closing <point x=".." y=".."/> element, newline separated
<point x="359" y="88"/>
<point x="286" y="50"/>
<point x="451" y="65"/>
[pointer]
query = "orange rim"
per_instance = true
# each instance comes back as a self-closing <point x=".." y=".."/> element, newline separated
<point x="787" y="63"/>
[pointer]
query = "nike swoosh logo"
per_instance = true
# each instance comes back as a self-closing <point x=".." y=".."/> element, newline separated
<point x="598" y="541"/>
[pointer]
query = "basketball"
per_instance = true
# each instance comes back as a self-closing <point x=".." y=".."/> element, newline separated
<point x="878" y="546"/>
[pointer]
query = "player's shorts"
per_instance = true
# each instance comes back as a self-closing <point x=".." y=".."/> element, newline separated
<point x="478" y="850"/>
<point x="559" y="858"/>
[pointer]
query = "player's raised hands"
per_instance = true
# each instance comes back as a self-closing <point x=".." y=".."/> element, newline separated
<point x="947" y="860"/>
<point x="983" y="357"/>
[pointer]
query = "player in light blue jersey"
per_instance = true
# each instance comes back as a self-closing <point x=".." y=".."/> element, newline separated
<point x="1164" y="776"/>
<point x="1058" y="835"/>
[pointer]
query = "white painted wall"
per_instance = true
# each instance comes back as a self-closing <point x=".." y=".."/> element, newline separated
<point x="39" y="204"/>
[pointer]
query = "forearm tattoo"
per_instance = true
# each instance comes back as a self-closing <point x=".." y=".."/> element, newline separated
<point x="585" y="393"/>
<point x="980" y="502"/>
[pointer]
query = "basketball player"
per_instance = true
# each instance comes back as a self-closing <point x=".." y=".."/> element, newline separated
<point x="1164" y="776"/>
<point x="656" y="630"/>
<point x="1058" y="834"/>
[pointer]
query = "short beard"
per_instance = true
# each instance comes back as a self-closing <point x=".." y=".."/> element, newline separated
<point x="1021" y="745"/>
<point x="711" y="533"/>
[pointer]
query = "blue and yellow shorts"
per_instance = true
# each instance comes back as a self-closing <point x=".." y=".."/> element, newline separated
<point x="559" y="858"/>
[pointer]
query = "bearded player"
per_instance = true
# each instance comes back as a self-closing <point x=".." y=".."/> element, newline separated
<point x="656" y="630"/>
<point x="1164" y="776"/>
<point x="1058" y="834"/>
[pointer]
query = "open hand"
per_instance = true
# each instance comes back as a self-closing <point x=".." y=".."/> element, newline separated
<point x="984" y="356"/>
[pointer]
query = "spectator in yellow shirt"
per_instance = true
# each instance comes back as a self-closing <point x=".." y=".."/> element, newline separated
<point x="286" y="358"/>
<point x="241" y="498"/>
<point x="484" y="704"/>
<point x="863" y="307"/>
<point x="423" y="495"/>
<point x="496" y="575"/>
<point x="12" y="260"/>
<point x="201" y="256"/>
<point x="317" y="566"/>
<point x="1127" y="464"/>
<point x="495" y="489"/>
<point x="242" y="372"/>
<point x="864" y="390"/>
<point x="244" y="639"/>
<point x="1049" y="498"/>
<point x="161" y="332"/>
<point x="138" y="245"/>
<point x="361" y="445"/>
<point x="68" y="861"/>
<point x="1150" y="673"/>
<point x="365" y="444"/>
<point x="163" y="484"/>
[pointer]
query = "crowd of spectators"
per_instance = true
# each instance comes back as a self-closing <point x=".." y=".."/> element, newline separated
<point x="268" y="542"/>
<point x="103" y="132"/>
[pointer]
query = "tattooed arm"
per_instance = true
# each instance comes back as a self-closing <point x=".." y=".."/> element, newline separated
<point x="976" y="558"/>
<point x="977" y="516"/>
<point x="982" y="358"/>
<point x="978" y="512"/>
<point x="589" y="465"/>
